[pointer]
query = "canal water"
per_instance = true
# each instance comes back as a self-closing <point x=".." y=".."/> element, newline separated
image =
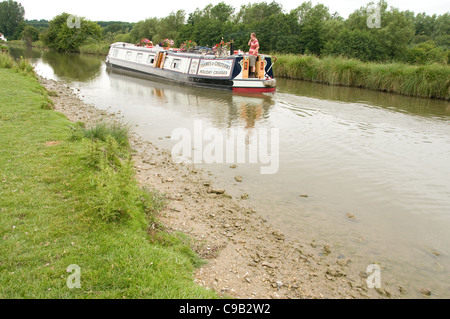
<point x="366" y="173"/>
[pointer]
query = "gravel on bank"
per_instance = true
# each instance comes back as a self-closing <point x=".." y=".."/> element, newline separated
<point x="246" y="257"/>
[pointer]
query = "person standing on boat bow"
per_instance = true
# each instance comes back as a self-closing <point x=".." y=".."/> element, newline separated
<point x="254" y="47"/>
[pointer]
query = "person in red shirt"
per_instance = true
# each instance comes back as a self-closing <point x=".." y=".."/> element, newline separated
<point x="254" y="47"/>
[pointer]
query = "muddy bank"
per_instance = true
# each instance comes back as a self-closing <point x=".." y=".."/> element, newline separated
<point x="246" y="257"/>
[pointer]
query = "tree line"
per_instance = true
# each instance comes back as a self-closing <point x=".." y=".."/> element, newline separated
<point x="308" y="29"/>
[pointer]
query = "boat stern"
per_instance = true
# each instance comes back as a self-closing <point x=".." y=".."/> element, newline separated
<point x="255" y="85"/>
<point x="263" y="80"/>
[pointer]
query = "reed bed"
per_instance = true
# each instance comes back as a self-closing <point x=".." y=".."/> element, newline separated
<point x="432" y="81"/>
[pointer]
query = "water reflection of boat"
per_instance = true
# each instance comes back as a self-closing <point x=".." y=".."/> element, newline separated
<point x="247" y="107"/>
<point x="229" y="72"/>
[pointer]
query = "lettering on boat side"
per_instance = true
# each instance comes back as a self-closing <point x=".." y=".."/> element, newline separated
<point x="218" y="68"/>
<point x="194" y="66"/>
<point x="210" y="146"/>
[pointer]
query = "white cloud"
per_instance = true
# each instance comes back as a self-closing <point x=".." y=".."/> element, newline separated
<point x="136" y="10"/>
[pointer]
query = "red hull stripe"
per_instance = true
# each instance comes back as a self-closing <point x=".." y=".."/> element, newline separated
<point x="257" y="90"/>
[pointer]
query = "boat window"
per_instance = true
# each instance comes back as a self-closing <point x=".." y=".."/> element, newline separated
<point x="151" y="59"/>
<point x="128" y="55"/>
<point x="176" y="63"/>
<point x="115" y="53"/>
<point x="139" y="57"/>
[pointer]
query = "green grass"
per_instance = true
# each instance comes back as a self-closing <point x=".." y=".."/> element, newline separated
<point x="96" y="48"/>
<point x="38" y="44"/>
<point x="432" y="81"/>
<point x="22" y="66"/>
<point x="101" y="131"/>
<point x="101" y="48"/>
<point x="66" y="200"/>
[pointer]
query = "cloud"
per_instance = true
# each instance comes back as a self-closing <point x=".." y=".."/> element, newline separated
<point x="136" y="10"/>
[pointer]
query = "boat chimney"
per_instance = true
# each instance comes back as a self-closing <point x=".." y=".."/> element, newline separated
<point x="232" y="47"/>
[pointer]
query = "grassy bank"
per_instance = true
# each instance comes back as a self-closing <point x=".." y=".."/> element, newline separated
<point x="432" y="81"/>
<point x="21" y="67"/>
<point x="69" y="196"/>
<point x="96" y="48"/>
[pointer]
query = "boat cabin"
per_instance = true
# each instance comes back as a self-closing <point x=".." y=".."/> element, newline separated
<point x="197" y="68"/>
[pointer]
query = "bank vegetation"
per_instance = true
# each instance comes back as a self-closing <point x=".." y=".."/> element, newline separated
<point x="431" y="80"/>
<point x="397" y="56"/>
<point x="70" y="200"/>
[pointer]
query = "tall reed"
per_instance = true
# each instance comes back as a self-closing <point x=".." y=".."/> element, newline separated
<point x="96" y="48"/>
<point x="20" y="66"/>
<point x="432" y="81"/>
<point x="101" y="131"/>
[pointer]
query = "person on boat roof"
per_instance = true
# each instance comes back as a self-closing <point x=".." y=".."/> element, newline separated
<point x="254" y="47"/>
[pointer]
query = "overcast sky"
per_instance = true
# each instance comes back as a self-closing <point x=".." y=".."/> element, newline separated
<point x="136" y="10"/>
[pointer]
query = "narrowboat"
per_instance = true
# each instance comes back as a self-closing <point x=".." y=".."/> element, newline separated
<point x="228" y="71"/>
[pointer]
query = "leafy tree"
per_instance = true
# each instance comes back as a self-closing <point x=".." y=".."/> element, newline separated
<point x="255" y="13"/>
<point x="64" y="36"/>
<point x="424" y="24"/>
<point x="144" y="29"/>
<point x="282" y="38"/>
<point x="308" y="29"/>
<point x="395" y="34"/>
<point x="11" y="18"/>
<point x="355" y="44"/>
<point x="332" y="28"/>
<point x="425" y="53"/>
<point x="441" y="32"/>
<point x="222" y="12"/>
<point x="115" y="28"/>
<point x="208" y="26"/>
<point x="30" y="34"/>
<point x="116" y="31"/>
<point x="38" y="24"/>
<point x="312" y="21"/>
<point x="159" y="29"/>
<point x="170" y="26"/>
<point x="207" y="32"/>
<point x="267" y="20"/>
<point x="358" y="19"/>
